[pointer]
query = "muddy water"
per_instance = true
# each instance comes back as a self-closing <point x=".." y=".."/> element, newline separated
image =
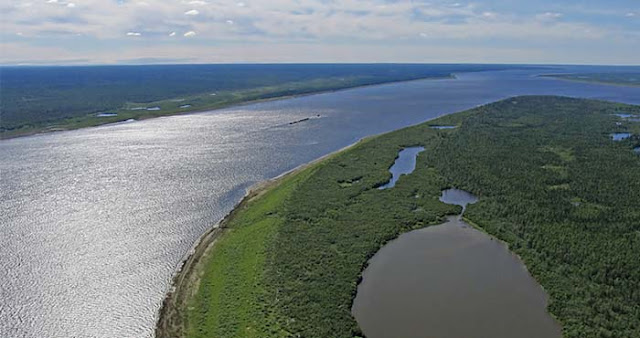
<point x="450" y="281"/>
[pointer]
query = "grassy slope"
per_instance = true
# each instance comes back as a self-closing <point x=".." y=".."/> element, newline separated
<point x="291" y="262"/>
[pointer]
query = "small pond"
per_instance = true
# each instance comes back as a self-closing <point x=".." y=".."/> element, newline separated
<point x="404" y="164"/>
<point x="620" y="136"/>
<point x="106" y="114"/>
<point x="153" y="108"/>
<point x="458" y="197"/>
<point x="443" y="127"/>
<point x="636" y="150"/>
<point x="185" y="106"/>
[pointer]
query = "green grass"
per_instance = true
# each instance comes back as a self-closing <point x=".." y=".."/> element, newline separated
<point x="230" y="301"/>
<point x="558" y="191"/>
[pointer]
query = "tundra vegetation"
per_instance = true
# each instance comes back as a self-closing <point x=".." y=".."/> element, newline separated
<point x="552" y="184"/>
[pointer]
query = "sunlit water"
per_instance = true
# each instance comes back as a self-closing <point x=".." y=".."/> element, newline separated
<point x="94" y="222"/>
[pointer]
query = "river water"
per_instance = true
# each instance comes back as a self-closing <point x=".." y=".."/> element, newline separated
<point x="94" y="222"/>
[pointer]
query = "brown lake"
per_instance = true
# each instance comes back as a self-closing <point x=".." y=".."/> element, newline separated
<point x="450" y="281"/>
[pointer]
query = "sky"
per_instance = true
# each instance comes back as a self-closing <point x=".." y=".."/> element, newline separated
<point x="303" y="31"/>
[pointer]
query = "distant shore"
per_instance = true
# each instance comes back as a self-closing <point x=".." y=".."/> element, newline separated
<point x="570" y="77"/>
<point x="94" y="120"/>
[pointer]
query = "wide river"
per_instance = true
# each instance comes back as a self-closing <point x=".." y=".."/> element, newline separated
<point x="95" y="221"/>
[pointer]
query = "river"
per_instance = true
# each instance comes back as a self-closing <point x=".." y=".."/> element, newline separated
<point x="95" y="221"/>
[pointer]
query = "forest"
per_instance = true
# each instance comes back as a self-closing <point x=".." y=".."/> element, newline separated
<point x="552" y="184"/>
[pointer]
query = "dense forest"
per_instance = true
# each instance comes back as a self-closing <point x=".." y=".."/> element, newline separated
<point x="552" y="184"/>
<point x="36" y="98"/>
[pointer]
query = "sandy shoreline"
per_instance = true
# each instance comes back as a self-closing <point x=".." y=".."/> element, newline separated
<point x="186" y="279"/>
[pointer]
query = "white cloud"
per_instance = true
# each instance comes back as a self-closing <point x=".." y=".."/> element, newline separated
<point x="326" y="23"/>
<point x="489" y="15"/>
<point x="190" y="34"/>
<point x="172" y="34"/>
<point x="549" y="16"/>
<point x="71" y="5"/>
<point x="134" y="34"/>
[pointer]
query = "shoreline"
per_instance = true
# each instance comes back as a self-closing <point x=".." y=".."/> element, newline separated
<point x="54" y="129"/>
<point x="186" y="277"/>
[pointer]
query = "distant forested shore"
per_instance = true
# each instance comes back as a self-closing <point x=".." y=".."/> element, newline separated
<point x="41" y="99"/>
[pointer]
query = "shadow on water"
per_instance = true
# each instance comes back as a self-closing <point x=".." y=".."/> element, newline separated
<point x="404" y="164"/>
<point x="450" y="281"/>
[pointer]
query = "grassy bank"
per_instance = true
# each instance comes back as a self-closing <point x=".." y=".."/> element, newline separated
<point x="552" y="185"/>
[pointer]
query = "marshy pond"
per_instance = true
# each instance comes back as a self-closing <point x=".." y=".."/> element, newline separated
<point x="450" y="281"/>
<point x="404" y="164"/>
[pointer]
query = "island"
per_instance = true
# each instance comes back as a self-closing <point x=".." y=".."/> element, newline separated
<point x="550" y="182"/>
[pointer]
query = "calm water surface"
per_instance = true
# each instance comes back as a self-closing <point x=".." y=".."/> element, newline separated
<point x="458" y="197"/>
<point x="450" y="281"/>
<point x="94" y="222"/>
<point x="403" y="165"/>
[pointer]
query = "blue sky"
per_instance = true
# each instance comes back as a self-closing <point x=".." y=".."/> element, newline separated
<point x="214" y="31"/>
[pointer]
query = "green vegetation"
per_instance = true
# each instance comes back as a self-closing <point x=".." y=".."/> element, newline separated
<point x="552" y="183"/>
<point x="621" y="79"/>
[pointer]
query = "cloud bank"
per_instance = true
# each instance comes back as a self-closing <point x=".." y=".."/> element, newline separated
<point x="322" y="30"/>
